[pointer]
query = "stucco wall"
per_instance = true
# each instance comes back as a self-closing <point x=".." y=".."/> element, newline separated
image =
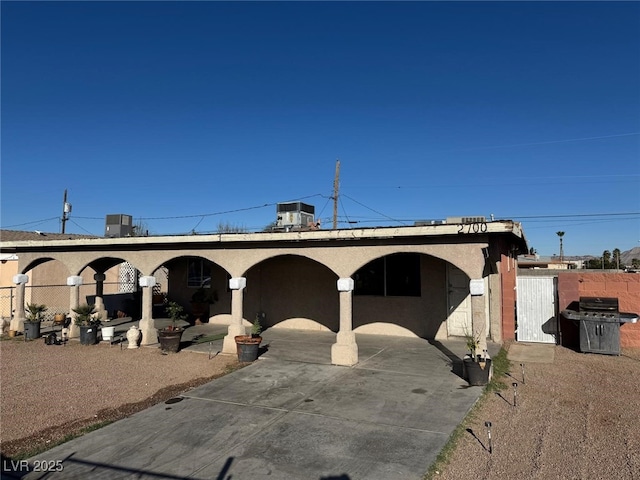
<point x="624" y="286"/>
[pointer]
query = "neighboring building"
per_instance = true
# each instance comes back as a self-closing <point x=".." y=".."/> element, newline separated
<point x="430" y="281"/>
<point x="535" y="261"/>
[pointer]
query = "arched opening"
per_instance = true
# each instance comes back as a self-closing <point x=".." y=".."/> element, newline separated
<point x="198" y="284"/>
<point x="120" y="293"/>
<point x="410" y="294"/>
<point x="47" y="286"/>
<point x="293" y="292"/>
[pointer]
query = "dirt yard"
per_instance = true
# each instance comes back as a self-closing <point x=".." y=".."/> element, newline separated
<point x="577" y="418"/>
<point x="50" y="391"/>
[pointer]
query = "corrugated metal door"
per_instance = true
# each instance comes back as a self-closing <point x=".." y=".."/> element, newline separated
<point x="536" y="309"/>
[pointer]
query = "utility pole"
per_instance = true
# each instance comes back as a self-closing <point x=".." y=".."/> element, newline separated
<point x="336" y="186"/>
<point x="66" y="208"/>
<point x="561" y="234"/>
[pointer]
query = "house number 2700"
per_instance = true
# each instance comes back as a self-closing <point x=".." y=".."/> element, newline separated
<point x="480" y="227"/>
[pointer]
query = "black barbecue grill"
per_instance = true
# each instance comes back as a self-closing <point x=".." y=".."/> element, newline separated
<point x="599" y="324"/>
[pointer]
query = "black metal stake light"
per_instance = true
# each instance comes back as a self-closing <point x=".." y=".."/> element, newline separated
<point x="522" y="365"/>
<point x="488" y="425"/>
<point x="515" y="394"/>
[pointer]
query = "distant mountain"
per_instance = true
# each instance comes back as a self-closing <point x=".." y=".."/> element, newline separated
<point x="626" y="257"/>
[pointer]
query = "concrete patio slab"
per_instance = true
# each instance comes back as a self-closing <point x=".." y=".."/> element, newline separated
<point x="385" y="418"/>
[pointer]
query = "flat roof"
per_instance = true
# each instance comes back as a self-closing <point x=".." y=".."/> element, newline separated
<point x="508" y="227"/>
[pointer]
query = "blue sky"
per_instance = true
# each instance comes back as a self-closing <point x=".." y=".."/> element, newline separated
<point x="189" y="115"/>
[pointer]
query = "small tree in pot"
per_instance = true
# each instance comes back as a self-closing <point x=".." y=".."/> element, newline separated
<point x="34" y="317"/>
<point x="169" y="337"/>
<point x="88" y="322"/>
<point x="476" y="368"/>
<point x="248" y="346"/>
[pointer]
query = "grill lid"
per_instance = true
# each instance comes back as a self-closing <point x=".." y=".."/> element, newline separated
<point x="599" y="304"/>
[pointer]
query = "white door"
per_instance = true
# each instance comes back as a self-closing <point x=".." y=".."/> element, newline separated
<point x="459" y="302"/>
<point x="536" y="309"/>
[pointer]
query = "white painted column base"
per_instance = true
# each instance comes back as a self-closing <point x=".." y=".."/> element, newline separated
<point x="229" y="343"/>
<point x="345" y="350"/>
<point x="149" y="332"/>
<point x="74" y="330"/>
<point x="17" y="324"/>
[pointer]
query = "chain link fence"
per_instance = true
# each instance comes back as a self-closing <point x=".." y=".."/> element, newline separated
<point x="57" y="298"/>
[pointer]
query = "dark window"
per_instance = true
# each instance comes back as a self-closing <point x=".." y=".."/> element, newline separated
<point x="199" y="273"/>
<point x="369" y="280"/>
<point x="393" y="275"/>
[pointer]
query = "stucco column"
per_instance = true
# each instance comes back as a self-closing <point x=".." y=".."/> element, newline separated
<point x="17" y="320"/>
<point x="147" y="323"/>
<point x="236" y="327"/>
<point x="345" y="350"/>
<point x="74" y="282"/>
<point x="99" y="278"/>
<point x="479" y="322"/>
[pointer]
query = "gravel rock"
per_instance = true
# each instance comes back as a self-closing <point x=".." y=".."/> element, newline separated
<point x="50" y="391"/>
<point x="577" y="418"/>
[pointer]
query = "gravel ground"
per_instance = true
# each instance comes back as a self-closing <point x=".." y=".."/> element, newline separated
<point x="577" y="418"/>
<point x="48" y="392"/>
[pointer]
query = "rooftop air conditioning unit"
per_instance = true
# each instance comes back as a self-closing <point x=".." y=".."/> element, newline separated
<point x="294" y="214"/>
<point x="118" y="226"/>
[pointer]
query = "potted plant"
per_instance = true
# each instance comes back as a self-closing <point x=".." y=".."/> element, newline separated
<point x="34" y="317"/>
<point x="201" y="299"/>
<point x="477" y="368"/>
<point x="249" y="345"/>
<point x="169" y="337"/>
<point x="88" y="322"/>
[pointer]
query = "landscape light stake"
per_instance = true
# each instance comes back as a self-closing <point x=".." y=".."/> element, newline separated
<point x="515" y="394"/>
<point x="522" y="365"/>
<point x="210" y="348"/>
<point x="488" y="425"/>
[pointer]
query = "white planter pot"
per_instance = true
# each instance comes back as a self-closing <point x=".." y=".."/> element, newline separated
<point x="108" y="333"/>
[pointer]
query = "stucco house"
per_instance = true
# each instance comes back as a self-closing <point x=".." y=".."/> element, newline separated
<point x="431" y="281"/>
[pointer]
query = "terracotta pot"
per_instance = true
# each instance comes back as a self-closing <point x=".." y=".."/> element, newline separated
<point x="247" y="347"/>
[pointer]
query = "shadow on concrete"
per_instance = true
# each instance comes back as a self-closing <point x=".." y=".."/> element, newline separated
<point x="454" y="362"/>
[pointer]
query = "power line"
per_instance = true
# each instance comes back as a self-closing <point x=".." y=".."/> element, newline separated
<point x="375" y="211"/>
<point x="32" y="223"/>
<point x="80" y="226"/>
<point x="577" y="215"/>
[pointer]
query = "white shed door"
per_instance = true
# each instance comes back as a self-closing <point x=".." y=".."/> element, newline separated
<point x="536" y="309"/>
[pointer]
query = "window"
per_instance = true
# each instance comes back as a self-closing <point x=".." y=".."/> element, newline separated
<point x="198" y="273"/>
<point x="390" y="276"/>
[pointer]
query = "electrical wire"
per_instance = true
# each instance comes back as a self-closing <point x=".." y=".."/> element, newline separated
<point x="375" y="211"/>
<point x="36" y="222"/>
<point x="79" y="226"/>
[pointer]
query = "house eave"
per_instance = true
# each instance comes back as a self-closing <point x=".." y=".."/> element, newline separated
<point x="505" y="227"/>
